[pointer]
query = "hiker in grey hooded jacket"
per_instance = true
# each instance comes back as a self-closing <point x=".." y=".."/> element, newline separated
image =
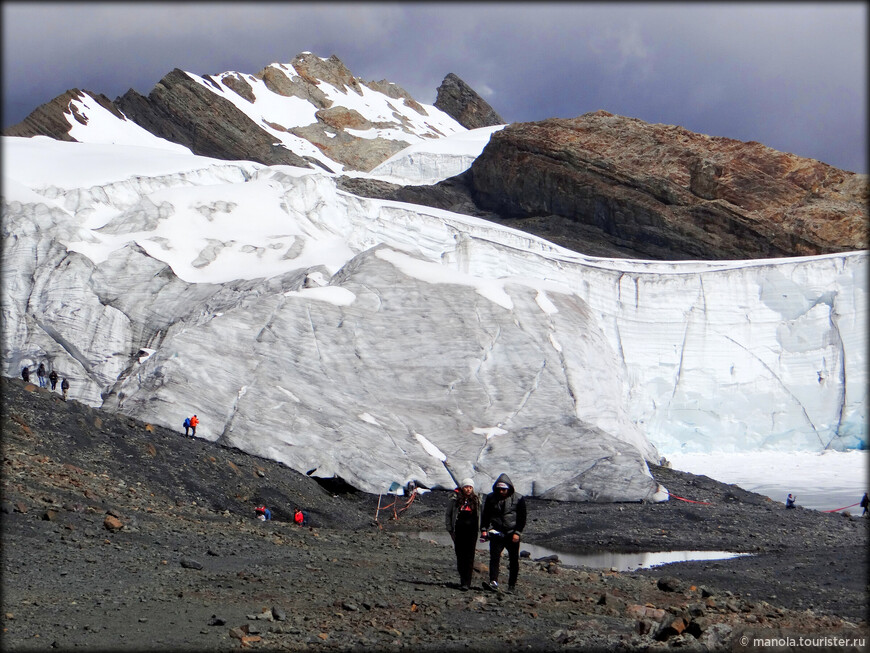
<point x="504" y="511"/>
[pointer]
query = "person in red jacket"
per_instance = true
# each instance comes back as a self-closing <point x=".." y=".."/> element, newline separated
<point x="298" y="517"/>
<point x="193" y="422"/>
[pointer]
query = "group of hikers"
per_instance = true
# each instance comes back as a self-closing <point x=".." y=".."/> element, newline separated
<point x="500" y="521"/>
<point x="46" y="379"/>
<point x="264" y="514"/>
<point x="190" y="424"/>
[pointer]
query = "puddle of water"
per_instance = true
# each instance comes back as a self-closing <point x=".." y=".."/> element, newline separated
<point x="603" y="560"/>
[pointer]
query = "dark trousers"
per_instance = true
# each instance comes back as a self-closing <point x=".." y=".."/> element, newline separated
<point x="465" y="544"/>
<point x="496" y="546"/>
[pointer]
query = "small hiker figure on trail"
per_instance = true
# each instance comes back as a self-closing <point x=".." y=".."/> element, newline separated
<point x="25" y="374"/>
<point x="789" y="502"/>
<point x="65" y="387"/>
<point x="53" y="379"/>
<point x="865" y="502"/>
<point x="40" y="375"/>
<point x="298" y="517"/>
<point x="186" y="426"/>
<point x="263" y="513"/>
<point x="193" y="422"/>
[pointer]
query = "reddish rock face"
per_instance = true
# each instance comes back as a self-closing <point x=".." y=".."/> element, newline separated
<point x="670" y="192"/>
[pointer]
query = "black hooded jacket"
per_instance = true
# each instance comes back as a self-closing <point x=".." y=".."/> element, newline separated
<point x="506" y="515"/>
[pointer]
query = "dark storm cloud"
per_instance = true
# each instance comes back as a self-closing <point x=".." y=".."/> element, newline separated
<point x="792" y="76"/>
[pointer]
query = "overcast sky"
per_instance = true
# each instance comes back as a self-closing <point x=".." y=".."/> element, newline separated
<point x="792" y="76"/>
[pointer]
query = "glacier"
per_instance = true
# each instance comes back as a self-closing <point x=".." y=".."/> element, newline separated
<point x="353" y="337"/>
<point x="435" y="160"/>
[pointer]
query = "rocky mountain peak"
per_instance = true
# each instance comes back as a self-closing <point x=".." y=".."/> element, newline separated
<point x="219" y="115"/>
<point x="50" y="119"/>
<point x="314" y="69"/>
<point x="458" y="100"/>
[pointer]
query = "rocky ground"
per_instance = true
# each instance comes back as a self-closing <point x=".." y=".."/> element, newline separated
<point x="118" y="535"/>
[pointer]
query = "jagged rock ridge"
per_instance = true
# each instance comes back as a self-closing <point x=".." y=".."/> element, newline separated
<point x="458" y="99"/>
<point x="329" y="118"/>
<point x="49" y="119"/>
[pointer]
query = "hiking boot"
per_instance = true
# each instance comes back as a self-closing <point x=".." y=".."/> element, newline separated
<point x="492" y="585"/>
<point x="464" y="587"/>
<point x="511" y="589"/>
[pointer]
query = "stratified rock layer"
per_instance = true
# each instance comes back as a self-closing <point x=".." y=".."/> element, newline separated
<point x="667" y="192"/>
<point x="182" y="111"/>
<point x="50" y="119"/>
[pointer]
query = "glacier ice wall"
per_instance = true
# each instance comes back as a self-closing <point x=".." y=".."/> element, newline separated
<point x="338" y="334"/>
<point x="434" y="160"/>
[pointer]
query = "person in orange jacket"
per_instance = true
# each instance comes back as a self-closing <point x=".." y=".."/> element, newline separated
<point x="193" y="422"/>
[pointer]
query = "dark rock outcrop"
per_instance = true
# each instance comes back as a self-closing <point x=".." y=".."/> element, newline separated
<point x="183" y="111"/>
<point x="669" y="193"/>
<point x="49" y="119"/>
<point x="458" y="100"/>
<point x="456" y="195"/>
<point x="451" y="194"/>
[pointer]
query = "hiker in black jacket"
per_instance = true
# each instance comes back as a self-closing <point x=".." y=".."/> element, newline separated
<point x="64" y="385"/>
<point x="40" y="375"/>
<point x="504" y="512"/>
<point x="53" y="379"/>
<point x="463" y="523"/>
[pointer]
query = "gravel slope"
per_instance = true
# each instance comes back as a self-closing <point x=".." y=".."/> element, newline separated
<point x="122" y="536"/>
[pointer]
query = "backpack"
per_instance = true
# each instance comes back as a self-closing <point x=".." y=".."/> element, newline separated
<point x="187" y="422"/>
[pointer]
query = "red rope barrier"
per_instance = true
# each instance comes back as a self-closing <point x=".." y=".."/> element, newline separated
<point x="839" y="509"/>
<point x="396" y="512"/>
<point x="706" y="503"/>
